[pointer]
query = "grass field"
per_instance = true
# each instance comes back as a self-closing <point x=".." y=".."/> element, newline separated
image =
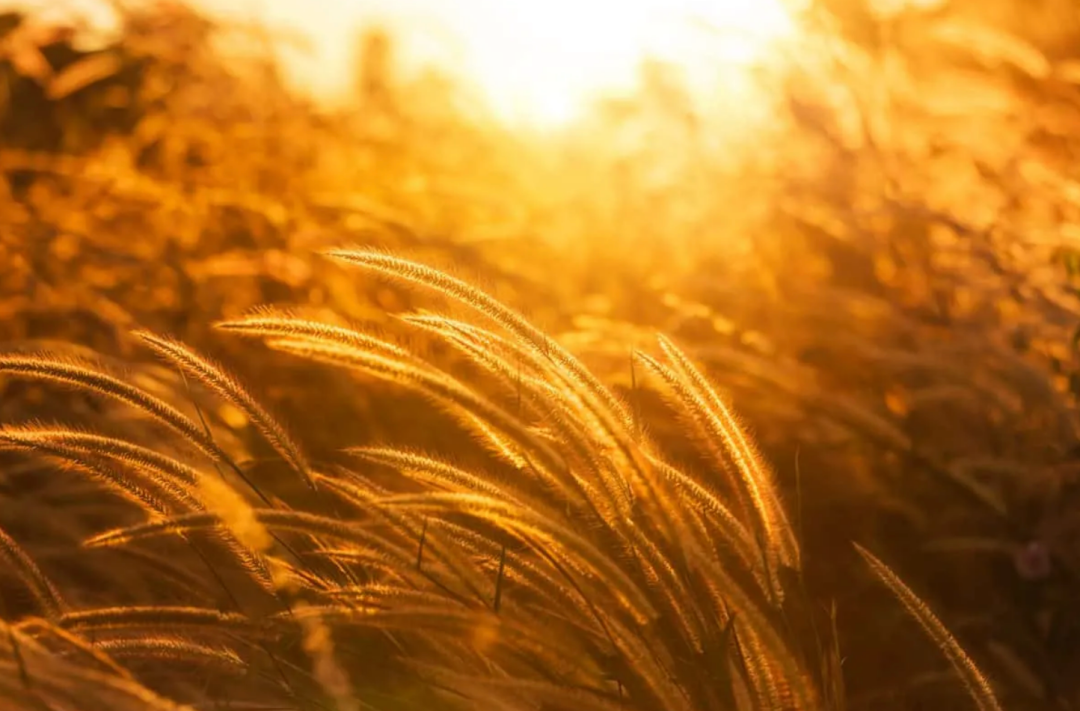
<point x="690" y="405"/>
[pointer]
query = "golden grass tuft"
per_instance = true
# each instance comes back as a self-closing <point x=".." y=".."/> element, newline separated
<point x="571" y="560"/>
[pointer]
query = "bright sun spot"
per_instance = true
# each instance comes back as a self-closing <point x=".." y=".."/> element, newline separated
<point x="534" y="61"/>
<point x="542" y="61"/>
<point x="539" y="61"/>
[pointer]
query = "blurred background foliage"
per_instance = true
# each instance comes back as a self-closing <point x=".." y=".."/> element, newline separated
<point x="883" y="275"/>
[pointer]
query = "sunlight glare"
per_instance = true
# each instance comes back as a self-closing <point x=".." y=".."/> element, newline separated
<point x="538" y="62"/>
<point x="542" y="62"/>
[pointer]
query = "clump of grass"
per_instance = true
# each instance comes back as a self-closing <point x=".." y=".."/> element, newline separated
<point x="573" y="563"/>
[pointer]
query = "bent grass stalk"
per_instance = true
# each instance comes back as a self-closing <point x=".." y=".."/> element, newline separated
<point x="977" y="684"/>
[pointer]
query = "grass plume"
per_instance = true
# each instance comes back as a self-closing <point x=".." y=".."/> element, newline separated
<point x="977" y="684"/>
